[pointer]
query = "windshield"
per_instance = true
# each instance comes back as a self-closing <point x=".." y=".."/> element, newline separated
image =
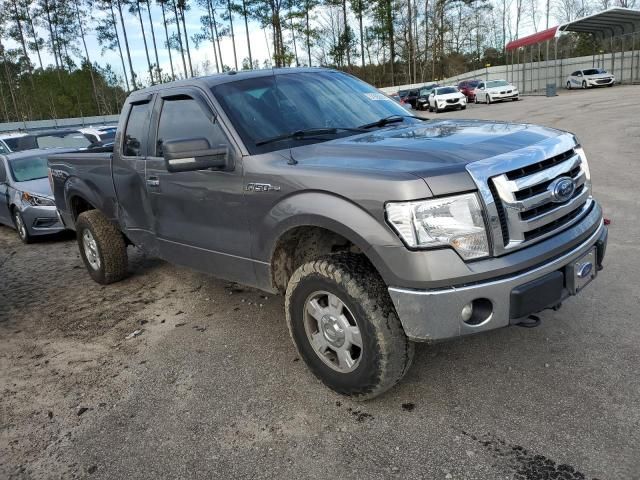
<point x="594" y="71"/>
<point x="497" y="83"/>
<point x="270" y="106"/>
<point x="67" y="140"/>
<point x="28" y="168"/>
<point x="445" y="90"/>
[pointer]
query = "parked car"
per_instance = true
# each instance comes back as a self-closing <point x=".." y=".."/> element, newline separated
<point x="9" y="141"/>
<point x="422" y="103"/>
<point x="468" y="87"/>
<point x="446" y="98"/>
<point x="591" y="77"/>
<point x="401" y="102"/>
<point x="99" y="135"/>
<point x="26" y="201"/>
<point x="53" y="138"/>
<point x="496" y="91"/>
<point x="381" y="229"/>
<point x="411" y="97"/>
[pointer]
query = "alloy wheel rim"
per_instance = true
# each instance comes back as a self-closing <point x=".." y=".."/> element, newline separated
<point x="332" y="331"/>
<point x="22" y="229"/>
<point x="91" y="249"/>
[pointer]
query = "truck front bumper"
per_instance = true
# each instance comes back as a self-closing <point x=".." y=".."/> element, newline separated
<point x="430" y="315"/>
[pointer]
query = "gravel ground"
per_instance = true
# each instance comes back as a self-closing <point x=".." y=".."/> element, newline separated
<point x="211" y="387"/>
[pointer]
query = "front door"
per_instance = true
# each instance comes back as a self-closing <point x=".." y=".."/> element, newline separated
<point x="199" y="216"/>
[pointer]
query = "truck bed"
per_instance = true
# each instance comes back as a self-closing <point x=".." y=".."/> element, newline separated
<point x="87" y="174"/>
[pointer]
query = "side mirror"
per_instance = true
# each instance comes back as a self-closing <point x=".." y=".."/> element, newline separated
<point x="187" y="155"/>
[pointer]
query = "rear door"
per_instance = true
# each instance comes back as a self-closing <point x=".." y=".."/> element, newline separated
<point x="134" y="208"/>
<point x="5" y="215"/>
<point x="199" y="216"/>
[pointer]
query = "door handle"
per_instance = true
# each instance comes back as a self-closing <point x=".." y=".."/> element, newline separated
<point x="153" y="181"/>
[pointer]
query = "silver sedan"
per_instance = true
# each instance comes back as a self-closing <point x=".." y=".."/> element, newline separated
<point x="26" y="200"/>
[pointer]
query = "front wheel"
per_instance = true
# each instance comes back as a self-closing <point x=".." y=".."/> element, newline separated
<point x="21" y="227"/>
<point x="344" y="325"/>
<point x="102" y="247"/>
<point x="487" y="99"/>
<point x="568" y="85"/>
<point x="584" y="84"/>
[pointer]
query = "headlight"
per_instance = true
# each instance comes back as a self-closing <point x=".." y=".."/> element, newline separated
<point x="454" y="221"/>
<point x="37" y="201"/>
<point x="585" y="167"/>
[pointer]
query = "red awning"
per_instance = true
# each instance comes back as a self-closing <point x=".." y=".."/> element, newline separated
<point x="538" y="37"/>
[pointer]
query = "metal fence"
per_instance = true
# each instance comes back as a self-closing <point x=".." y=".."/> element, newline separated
<point x="28" y="125"/>
<point x="532" y="77"/>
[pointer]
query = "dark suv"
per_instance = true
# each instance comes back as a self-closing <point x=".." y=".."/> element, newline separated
<point x="411" y="97"/>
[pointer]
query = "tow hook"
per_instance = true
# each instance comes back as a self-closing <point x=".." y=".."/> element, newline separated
<point x="531" y="321"/>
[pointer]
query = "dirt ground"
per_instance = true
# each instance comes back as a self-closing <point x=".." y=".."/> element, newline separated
<point x="210" y="386"/>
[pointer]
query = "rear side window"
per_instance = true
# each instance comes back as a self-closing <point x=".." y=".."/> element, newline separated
<point x="184" y="118"/>
<point x="134" y="134"/>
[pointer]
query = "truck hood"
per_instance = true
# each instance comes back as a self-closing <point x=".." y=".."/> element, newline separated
<point x="428" y="149"/>
<point x="39" y="187"/>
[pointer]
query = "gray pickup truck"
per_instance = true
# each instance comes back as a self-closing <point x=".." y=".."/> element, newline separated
<point x="381" y="229"/>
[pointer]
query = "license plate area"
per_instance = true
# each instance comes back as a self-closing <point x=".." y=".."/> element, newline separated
<point x="581" y="272"/>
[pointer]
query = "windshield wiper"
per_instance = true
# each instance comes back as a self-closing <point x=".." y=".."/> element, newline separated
<point x="387" y="120"/>
<point x="306" y="133"/>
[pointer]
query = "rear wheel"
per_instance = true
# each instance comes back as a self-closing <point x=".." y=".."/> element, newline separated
<point x="102" y="247"/>
<point x="345" y="327"/>
<point x="21" y="227"/>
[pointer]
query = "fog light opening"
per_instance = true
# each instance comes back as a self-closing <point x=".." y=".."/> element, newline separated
<point x="477" y="312"/>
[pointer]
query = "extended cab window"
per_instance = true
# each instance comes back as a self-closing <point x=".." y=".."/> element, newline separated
<point x="134" y="134"/>
<point x="184" y="118"/>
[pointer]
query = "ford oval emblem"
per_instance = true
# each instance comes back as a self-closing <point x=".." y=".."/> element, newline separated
<point x="585" y="269"/>
<point x="562" y="189"/>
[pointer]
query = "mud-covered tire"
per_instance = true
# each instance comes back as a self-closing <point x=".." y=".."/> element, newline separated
<point x="111" y="249"/>
<point x="386" y="353"/>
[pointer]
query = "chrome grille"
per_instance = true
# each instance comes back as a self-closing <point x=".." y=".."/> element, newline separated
<point x="521" y="204"/>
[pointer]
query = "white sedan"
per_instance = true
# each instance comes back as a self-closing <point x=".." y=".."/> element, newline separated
<point x="591" y="77"/>
<point x="443" y="98"/>
<point x="496" y="91"/>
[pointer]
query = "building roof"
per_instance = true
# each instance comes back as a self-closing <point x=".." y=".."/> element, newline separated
<point x="608" y="23"/>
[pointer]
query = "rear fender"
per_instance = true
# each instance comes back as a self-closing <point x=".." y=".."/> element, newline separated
<point x="89" y="192"/>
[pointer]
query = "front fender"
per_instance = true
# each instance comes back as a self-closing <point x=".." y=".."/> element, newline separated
<point x="331" y="212"/>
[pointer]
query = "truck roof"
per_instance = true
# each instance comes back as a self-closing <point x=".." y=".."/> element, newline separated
<point x="233" y="76"/>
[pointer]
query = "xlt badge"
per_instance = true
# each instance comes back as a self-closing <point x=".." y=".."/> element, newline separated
<point x="261" y="187"/>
